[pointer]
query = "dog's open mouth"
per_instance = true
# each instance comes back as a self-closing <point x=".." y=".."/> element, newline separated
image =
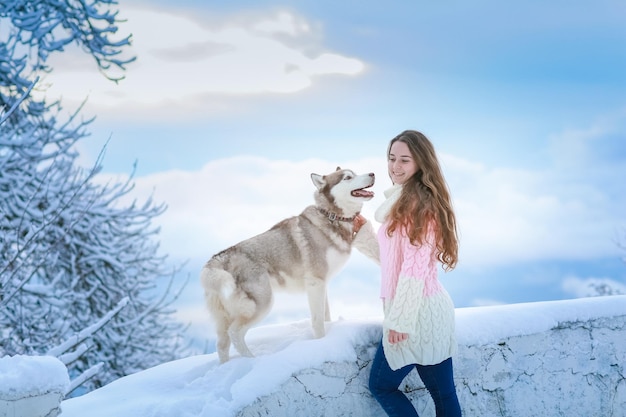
<point x="362" y="192"/>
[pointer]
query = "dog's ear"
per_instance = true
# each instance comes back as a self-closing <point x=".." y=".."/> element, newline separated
<point x="318" y="180"/>
<point x="338" y="169"/>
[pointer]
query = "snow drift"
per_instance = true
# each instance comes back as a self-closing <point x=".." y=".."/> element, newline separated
<point x="548" y="358"/>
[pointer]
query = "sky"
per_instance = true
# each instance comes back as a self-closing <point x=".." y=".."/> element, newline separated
<point x="230" y="106"/>
<point x="200" y="386"/>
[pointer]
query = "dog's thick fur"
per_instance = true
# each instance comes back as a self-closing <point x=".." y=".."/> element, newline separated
<point x="300" y="253"/>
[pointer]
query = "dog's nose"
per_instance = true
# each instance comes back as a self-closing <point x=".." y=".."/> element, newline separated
<point x="372" y="174"/>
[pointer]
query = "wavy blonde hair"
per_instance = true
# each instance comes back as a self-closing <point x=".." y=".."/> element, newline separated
<point x="425" y="199"/>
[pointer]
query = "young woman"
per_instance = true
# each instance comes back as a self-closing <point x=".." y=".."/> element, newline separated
<point x="417" y="232"/>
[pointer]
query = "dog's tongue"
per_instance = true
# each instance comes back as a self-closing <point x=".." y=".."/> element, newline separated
<point x="362" y="193"/>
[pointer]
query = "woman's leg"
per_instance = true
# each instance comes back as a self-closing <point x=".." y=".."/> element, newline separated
<point x="439" y="382"/>
<point x="384" y="383"/>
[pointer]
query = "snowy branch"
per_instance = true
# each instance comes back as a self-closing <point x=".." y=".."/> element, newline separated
<point x="85" y="376"/>
<point x="6" y="115"/>
<point x="88" y="332"/>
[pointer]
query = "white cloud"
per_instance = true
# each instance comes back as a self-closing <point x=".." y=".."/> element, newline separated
<point x="590" y="287"/>
<point x="574" y="148"/>
<point x="180" y="59"/>
<point x="283" y="23"/>
<point x="568" y="208"/>
<point x="504" y="215"/>
<point x="482" y="302"/>
<point x="508" y="215"/>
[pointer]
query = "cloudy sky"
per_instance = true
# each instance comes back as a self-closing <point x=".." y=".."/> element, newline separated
<point x="230" y="106"/>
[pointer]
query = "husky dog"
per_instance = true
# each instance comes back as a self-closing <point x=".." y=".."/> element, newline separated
<point x="300" y="253"/>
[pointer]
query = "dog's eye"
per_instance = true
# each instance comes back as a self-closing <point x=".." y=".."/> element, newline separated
<point x="347" y="177"/>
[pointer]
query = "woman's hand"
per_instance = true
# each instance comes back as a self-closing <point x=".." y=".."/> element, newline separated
<point x="397" y="337"/>
<point x="358" y="221"/>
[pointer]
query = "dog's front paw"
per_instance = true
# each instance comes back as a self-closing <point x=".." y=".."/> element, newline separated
<point x="318" y="332"/>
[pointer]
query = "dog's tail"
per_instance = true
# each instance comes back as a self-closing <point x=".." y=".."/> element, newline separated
<point x="219" y="286"/>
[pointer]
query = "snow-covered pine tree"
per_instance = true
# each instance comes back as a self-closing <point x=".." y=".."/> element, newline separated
<point x="71" y="255"/>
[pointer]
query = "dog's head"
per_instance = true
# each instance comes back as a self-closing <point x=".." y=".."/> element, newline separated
<point x="343" y="191"/>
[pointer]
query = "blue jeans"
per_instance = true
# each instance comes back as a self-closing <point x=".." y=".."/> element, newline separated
<point x="438" y="379"/>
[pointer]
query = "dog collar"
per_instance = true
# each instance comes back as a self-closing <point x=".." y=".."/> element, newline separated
<point x="333" y="216"/>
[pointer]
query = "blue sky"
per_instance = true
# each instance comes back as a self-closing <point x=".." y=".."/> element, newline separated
<point x="231" y="105"/>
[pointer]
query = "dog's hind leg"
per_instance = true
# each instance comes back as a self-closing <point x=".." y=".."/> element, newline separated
<point x="251" y="304"/>
<point x="318" y="305"/>
<point x="237" y="332"/>
<point x="223" y="339"/>
<point x="218" y="286"/>
<point x="222" y="322"/>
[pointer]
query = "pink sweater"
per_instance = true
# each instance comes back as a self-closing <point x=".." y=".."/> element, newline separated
<point x="399" y="257"/>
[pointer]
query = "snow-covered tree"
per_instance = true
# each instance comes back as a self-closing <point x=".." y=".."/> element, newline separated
<point x="621" y="243"/>
<point x="600" y="287"/>
<point x="78" y="270"/>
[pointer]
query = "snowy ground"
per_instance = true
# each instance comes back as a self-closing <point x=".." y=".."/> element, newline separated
<point x="199" y="386"/>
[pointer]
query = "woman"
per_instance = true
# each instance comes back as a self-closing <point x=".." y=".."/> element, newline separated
<point x="418" y="231"/>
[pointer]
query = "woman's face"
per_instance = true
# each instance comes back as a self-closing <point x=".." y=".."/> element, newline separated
<point x="400" y="164"/>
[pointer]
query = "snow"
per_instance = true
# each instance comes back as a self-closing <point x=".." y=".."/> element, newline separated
<point x="31" y="375"/>
<point x="530" y="318"/>
<point x="200" y="386"/>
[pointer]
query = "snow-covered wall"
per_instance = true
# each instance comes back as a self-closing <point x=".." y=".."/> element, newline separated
<point x="558" y="358"/>
<point x="32" y="386"/>
<point x="509" y="364"/>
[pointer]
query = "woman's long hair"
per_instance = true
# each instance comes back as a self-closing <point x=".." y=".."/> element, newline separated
<point x="425" y="200"/>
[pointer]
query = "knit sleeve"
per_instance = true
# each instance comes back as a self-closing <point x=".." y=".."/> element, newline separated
<point x="366" y="243"/>
<point x="418" y="265"/>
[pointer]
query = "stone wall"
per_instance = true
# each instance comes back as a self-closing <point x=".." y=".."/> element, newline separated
<point x="573" y="368"/>
<point x="32" y="386"/>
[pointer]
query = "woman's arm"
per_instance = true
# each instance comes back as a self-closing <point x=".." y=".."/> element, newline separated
<point x="365" y="239"/>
